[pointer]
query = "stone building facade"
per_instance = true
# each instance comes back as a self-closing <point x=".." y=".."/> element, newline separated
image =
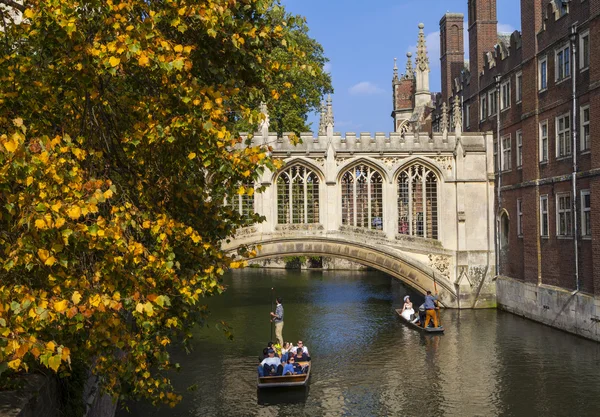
<point x="537" y="88"/>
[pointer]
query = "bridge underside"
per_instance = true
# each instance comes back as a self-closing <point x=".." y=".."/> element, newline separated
<point x="380" y="257"/>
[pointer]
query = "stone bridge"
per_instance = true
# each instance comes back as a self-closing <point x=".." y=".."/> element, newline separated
<point x="416" y="206"/>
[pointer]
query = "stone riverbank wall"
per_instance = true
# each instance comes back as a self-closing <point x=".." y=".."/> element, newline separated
<point x="40" y="397"/>
<point x="577" y="313"/>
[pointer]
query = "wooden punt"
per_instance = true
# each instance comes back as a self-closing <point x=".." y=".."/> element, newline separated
<point x="285" y="381"/>
<point x="429" y="330"/>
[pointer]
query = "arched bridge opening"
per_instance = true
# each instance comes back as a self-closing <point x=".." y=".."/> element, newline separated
<point x="413" y="273"/>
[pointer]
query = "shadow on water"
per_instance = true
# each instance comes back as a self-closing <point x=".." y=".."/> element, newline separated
<point x="279" y="396"/>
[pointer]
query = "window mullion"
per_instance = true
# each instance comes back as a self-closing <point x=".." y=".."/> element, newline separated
<point x="291" y="197"/>
<point x="369" y="178"/>
<point x="424" y="188"/>
<point x="354" y="207"/>
<point x="410" y="201"/>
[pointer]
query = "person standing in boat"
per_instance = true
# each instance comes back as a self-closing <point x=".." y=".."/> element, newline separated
<point x="430" y="310"/>
<point x="407" y="309"/>
<point x="277" y="319"/>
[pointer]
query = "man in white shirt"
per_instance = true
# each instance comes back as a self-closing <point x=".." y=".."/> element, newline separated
<point x="304" y="348"/>
<point x="271" y="365"/>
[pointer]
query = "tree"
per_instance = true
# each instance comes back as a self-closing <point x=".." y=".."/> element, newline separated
<point x="117" y="152"/>
<point x="306" y="84"/>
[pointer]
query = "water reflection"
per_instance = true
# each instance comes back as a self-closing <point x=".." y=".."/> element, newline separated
<point x="367" y="363"/>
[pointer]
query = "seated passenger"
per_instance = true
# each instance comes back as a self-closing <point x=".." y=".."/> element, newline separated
<point x="421" y="316"/>
<point x="286" y="351"/>
<point x="304" y="348"/>
<point x="301" y="356"/>
<point x="271" y="365"/>
<point x="288" y="369"/>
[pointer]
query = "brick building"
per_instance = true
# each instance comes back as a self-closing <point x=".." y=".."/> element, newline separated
<point x="543" y="82"/>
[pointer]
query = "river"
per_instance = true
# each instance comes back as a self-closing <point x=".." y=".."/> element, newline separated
<point x="367" y="363"/>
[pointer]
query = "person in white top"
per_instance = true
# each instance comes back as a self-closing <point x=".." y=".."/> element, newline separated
<point x="407" y="309"/>
<point x="270" y="365"/>
<point x="304" y="348"/>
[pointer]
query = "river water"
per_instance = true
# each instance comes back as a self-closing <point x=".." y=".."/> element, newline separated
<point x="367" y="363"/>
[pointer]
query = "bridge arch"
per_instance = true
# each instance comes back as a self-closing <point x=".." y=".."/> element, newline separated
<point x="393" y="262"/>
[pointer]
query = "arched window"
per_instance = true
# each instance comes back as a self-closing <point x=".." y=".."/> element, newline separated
<point x="418" y="202"/>
<point x="243" y="204"/>
<point x="297" y="196"/>
<point x="362" y="192"/>
<point x="504" y="232"/>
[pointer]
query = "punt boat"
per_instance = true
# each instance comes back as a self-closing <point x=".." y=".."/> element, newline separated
<point x="429" y="330"/>
<point x="285" y="381"/>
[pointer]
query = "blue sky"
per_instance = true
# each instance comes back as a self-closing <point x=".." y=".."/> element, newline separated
<point x="361" y="39"/>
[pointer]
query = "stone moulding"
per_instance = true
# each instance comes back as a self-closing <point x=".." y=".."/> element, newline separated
<point x="299" y="227"/>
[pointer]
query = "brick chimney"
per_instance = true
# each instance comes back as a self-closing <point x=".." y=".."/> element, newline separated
<point x="483" y="35"/>
<point x="452" y="51"/>
<point x="531" y="24"/>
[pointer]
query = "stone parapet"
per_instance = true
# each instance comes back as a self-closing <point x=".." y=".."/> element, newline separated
<point x="367" y="143"/>
<point x="576" y="313"/>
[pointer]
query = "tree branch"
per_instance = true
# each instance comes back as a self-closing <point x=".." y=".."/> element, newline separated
<point x="14" y="4"/>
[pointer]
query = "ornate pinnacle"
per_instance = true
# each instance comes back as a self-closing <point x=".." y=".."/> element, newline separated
<point x="457" y="114"/>
<point x="322" y="126"/>
<point x="410" y="71"/>
<point x="329" y="114"/>
<point x="444" y="121"/>
<point x="395" y="70"/>
<point x="422" y="60"/>
<point x="264" y="125"/>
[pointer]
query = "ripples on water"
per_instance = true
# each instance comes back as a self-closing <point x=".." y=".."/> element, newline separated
<point x="367" y="363"/>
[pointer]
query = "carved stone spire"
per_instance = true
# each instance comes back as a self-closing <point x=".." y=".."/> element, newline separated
<point x="444" y="121"/>
<point x="264" y="125"/>
<point x="395" y="79"/>
<point x="409" y="74"/>
<point x="329" y="123"/>
<point x="457" y="116"/>
<point x="422" y="95"/>
<point x="322" y="126"/>
<point x="422" y="60"/>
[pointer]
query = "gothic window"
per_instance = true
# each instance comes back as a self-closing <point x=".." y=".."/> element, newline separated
<point x="243" y="204"/>
<point x="417" y="202"/>
<point x="297" y="196"/>
<point x="362" y="197"/>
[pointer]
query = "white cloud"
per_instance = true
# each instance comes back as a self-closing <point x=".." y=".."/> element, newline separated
<point x="328" y="67"/>
<point x="505" y="28"/>
<point x="365" y="88"/>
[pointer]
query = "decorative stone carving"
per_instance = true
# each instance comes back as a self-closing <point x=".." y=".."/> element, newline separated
<point x="245" y="231"/>
<point x="363" y="231"/>
<point x="322" y="126"/>
<point x="422" y="60"/>
<point x="319" y="161"/>
<point x="444" y="161"/>
<point x="457" y="116"/>
<point x="410" y="71"/>
<point x="329" y="122"/>
<point x="391" y="161"/>
<point x="440" y="263"/>
<point x="444" y="121"/>
<point x="263" y="128"/>
<point x="340" y="161"/>
<point x="299" y="227"/>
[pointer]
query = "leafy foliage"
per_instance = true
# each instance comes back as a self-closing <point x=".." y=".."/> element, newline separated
<point x="306" y="83"/>
<point x="117" y="150"/>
